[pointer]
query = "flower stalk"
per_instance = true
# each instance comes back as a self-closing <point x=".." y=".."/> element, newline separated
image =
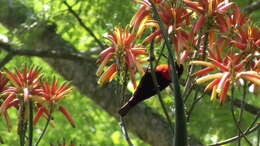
<point x="180" y="134"/>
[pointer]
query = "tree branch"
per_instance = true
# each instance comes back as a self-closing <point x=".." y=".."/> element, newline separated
<point x="6" y="59"/>
<point x="45" y="53"/>
<point x="236" y="137"/>
<point x="252" y="7"/>
<point x="248" y="107"/>
<point x="84" y="26"/>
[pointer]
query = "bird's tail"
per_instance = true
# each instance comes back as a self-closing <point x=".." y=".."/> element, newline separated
<point x="126" y="107"/>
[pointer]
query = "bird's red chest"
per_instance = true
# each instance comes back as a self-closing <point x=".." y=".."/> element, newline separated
<point x="164" y="70"/>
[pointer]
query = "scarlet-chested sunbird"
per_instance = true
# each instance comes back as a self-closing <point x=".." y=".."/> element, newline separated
<point x="146" y="87"/>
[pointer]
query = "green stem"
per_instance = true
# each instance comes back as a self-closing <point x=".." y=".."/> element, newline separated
<point x="30" y="132"/>
<point x="242" y="108"/>
<point x="21" y="124"/>
<point x="46" y="126"/>
<point x="235" y="120"/>
<point x="180" y="137"/>
<point x="121" y="92"/>
<point x="156" y="84"/>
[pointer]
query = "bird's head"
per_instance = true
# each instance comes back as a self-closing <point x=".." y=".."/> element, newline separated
<point x="164" y="69"/>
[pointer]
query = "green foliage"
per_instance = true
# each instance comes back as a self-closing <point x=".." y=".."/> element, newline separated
<point x="94" y="126"/>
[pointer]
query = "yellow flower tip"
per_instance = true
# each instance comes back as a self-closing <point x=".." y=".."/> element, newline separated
<point x="238" y="75"/>
<point x="214" y="93"/>
<point x="206" y="89"/>
<point x="194" y="74"/>
<point x="254" y="80"/>
<point x="208" y="77"/>
<point x="218" y="91"/>
<point x="201" y="63"/>
<point x="98" y="73"/>
<point x="107" y="75"/>
<point x="101" y="81"/>
<point x="142" y="26"/>
<point x="103" y="64"/>
<point x="250" y="76"/>
<point x="112" y="76"/>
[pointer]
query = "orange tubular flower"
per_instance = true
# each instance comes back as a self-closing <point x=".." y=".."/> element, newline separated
<point x="232" y="21"/>
<point x="209" y="9"/>
<point x="247" y="39"/>
<point x="213" y="16"/>
<point x="24" y="83"/>
<point x="124" y="54"/>
<point x="3" y="82"/>
<point x="52" y="94"/>
<point x="27" y="85"/>
<point x="174" y="18"/>
<point x="40" y="110"/>
<point x="229" y="70"/>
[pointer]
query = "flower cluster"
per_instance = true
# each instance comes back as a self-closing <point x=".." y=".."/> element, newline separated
<point x="228" y="71"/>
<point x="123" y="52"/>
<point x="233" y="49"/>
<point x="210" y="33"/>
<point x="21" y="86"/>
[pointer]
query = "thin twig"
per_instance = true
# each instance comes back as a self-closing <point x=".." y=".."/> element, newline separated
<point x="195" y="101"/>
<point x="236" y="137"/>
<point x="248" y="107"/>
<point x="160" y="55"/>
<point x="189" y="80"/>
<point x="83" y="25"/>
<point x="249" y="130"/>
<point x="121" y="92"/>
<point x="46" y="125"/>
<point x="157" y="86"/>
<point x="252" y="7"/>
<point x="235" y="120"/>
<point x="242" y="108"/>
<point x="124" y="131"/>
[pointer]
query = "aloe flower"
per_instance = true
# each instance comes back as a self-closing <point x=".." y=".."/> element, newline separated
<point x="40" y="110"/>
<point x="24" y="85"/>
<point x="175" y="19"/>
<point x="21" y="86"/>
<point x="212" y="15"/>
<point x="52" y="94"/>
<point x="247" y="39"/>
<point x="123" y="53"/>
<point x="3" y="83"/>
<point x="227" y="71"/>
<point x="209" y="10"/>
<point x="227" y="23"/>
